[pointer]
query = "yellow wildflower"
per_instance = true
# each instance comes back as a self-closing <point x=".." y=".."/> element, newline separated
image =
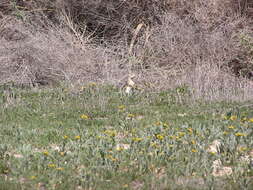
<point x="181" y="134"/>
<point x="130" y="115"/>
<point x="190" y="130"/>
<point x="77" y="137"/>
<point x="165" y="125"/>
<point x="51" y="165"/>
<point x="213" y="153"/>
<point x="251" y="120"/>
<point x="46" y="153"/>
<point x="242" y="149"/>
<point x="110" y="157"/>
<point x="137" y="139"/>
<point x="193" y="141"/>
<point x="155" y="145"/>
<point x="121" y="107"/>
<point x="225" y="133"/>
<point x="118" y="148"/>
<point x="33" y="177"/>
<point x="231" y="127"/>
<point x="240" y="134"/>
<point x="65" y="137"/>
<point x="111" y="133"/>
<point x="233" y="117"/>
<point x="194" y="150"/>
<point x="159" y="136"/>
<point x="83" y="116"/>
<point x="59" y="168"/>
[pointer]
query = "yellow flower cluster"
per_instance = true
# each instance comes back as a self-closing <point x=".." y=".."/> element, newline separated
<point x="159" y="136"/>
<point x="137" y="139"/>
<point x="231" y="127"/>
<point x="130" y="115"/>
<point x="240" y="134"/>
<point x="243" y="149"/>
<point x="194" y="150"/>
<point x="190" y="130"/>
<point x="65" y="137"/>
<point x="33" y="177"/>
<point x="110" y="157"/>
<point x="159" y="123"/>
<point x="181" y="134"/>
<point x="154" y="145"/>
<point x="110" y="133"/>
<point x="51" y="165"/>
<point x="46" y="153"/>
<point x="77" y="137"/>
<point x="233" y="117"/>
<point x="84" y="116"/>
<point x="193" y="142"/>
<point x="121" y="107"/>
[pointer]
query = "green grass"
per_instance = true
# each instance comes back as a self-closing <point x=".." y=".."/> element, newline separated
<point x="98" y="138"/>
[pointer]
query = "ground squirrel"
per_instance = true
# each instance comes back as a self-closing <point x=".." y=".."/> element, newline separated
<point x="129" y="84"/>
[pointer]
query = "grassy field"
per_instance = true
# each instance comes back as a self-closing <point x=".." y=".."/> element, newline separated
<point x="95" y="137"/>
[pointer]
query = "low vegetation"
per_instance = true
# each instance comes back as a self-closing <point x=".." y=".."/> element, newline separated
<point x="96" y="137"/>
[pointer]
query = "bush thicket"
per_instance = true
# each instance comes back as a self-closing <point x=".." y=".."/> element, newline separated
<point x="49" y="41"/>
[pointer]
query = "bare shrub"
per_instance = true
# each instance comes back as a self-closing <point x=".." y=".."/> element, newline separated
<point x="209" y="82"/>
<point x="113" y="18"/>
<point x="5" y="7"/>
<point x="210" y="11"/>
<point x="179" y="43"/>
<point x="107" y="19"/>
<point x="29" y="56"/>
<point x="183" y="52"/>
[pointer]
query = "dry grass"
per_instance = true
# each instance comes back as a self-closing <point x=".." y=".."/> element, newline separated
<point x="165" y="44"/>
<point x="48" y="57"/>
<point x="212" y="83"/>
